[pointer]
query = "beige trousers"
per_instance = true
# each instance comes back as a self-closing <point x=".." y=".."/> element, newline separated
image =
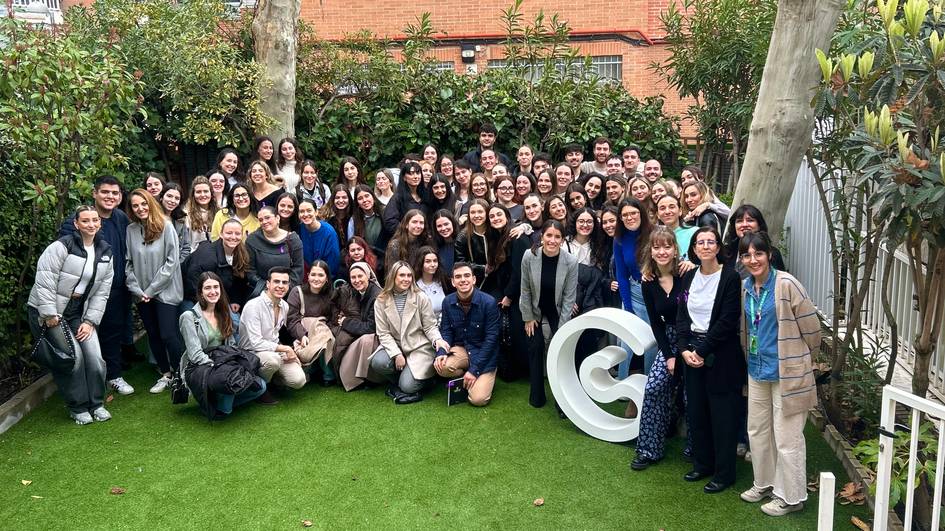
<point x="456" y="364"/>
<point x="272" y="368"/>
<point x="778" y="448"/>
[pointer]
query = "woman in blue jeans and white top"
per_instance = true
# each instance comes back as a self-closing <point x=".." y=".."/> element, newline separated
<point x="630" y="241"/>
<point x="73" y="280"/>
<point x="208" y="325"/>
<point x="152" y="274"/>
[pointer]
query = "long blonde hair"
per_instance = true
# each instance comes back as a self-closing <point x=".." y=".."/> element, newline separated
<point x="390" y="282"/>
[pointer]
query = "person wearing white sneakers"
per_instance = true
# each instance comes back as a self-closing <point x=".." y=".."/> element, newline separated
<point x="780" y="333"/>
<point x="152" y="274"/>
<point x="73" y="279"/>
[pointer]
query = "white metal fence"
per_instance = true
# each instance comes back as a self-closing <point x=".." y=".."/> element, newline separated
<point x="809" y="259"/>
<point x="921" y="409"/>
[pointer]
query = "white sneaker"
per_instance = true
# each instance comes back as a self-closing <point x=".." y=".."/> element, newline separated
<point x="160" y="385"/>
<point x="101" y="414"/>
<point x="779" y="507"/>
<point x="741" y="449"/>
<point x="119" y="384"/>
<point x="81" y="418"/>
<point x="756" y="494"/>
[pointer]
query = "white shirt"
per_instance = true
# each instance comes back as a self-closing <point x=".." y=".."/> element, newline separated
<point x="581" y="251"/>
<point x="88" y="270"/>
<point x="702" y="299"/>
<point x="434" y="291"/>
<point x="259" y="329"/>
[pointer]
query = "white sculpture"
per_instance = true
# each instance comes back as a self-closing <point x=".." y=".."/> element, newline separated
<point x="576" y="394"/>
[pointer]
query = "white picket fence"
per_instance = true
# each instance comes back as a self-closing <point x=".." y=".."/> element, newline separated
<point x="920" y="409"/>
<point x="809" y="259"/>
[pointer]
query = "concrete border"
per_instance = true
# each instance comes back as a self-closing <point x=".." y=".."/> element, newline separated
<point x="851" y="465"/>
<point x="17" y="407"/>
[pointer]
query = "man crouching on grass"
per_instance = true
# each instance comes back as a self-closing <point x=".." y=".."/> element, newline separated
<point x="470" y="323"/>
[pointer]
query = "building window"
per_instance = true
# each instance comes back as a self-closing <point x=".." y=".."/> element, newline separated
<point x="444" y="66"/>
<point x="608" y="67"/>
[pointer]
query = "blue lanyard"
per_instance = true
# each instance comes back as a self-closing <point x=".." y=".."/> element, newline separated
<point x="755" y="320"/>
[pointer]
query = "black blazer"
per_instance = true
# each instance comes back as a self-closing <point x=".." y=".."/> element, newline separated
<point x="728" y="371"/>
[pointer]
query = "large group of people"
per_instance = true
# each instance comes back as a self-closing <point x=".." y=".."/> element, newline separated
<point x="456" y="268"/>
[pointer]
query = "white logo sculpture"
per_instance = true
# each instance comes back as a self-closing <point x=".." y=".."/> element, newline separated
<point x="574" y="394"/>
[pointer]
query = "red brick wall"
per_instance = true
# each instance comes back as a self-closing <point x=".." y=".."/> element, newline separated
<point x="333" y="19"/>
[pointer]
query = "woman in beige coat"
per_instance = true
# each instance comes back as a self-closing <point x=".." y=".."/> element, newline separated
<point x="408" y="334"/>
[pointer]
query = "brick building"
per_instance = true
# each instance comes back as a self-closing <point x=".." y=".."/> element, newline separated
<point x="623" y="38"/>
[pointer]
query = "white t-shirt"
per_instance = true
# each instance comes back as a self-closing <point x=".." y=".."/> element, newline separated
<point x="702" y="299"/>
<point x="88" y="270"/>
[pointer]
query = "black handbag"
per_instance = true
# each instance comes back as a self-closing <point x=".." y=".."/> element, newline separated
<point x="47" y="354"/>
<point x="179" y="392"/>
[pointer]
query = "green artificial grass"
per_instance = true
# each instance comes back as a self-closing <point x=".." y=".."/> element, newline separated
<point x="356" y="460"/>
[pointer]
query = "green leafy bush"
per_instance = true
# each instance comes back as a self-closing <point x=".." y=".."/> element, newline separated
<point x="354" y="98"/>
<point x="65" y="112"/>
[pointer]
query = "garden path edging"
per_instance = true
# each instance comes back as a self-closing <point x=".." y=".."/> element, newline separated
<point x="18" y="406"/>
<point x="851" y="465"/>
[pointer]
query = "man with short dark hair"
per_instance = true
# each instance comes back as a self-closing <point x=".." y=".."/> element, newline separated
<point x="260" y="322"/>
<point x="470" y="323"/>
<point x="574" y="157"/>
<point x="615" y="165"/>
<point x="487" y="139"/>
<point x="106" y="194"/>
<point x="540" y="163"/>
<point x="631" y="161"/>
<point x="601" y="154"/>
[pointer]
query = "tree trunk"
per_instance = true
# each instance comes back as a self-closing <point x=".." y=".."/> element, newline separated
<point x="275" y="36"/>
<point x="784" y="120"/>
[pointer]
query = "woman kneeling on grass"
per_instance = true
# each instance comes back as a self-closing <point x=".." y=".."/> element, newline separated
<point x="780" y="333"/>
<point x="208" y="325"/>
<point x="408" y="334"/>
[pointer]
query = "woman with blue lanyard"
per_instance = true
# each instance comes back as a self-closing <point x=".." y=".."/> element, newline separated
<point x="781" y="333"/>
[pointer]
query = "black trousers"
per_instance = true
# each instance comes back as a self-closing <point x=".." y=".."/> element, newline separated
<point x="112" y="330"/>
<point x="536" y="361"/>
<point x="713" y="426"/>
<point x="513" y="360"/>
<point x="164" y="339"/>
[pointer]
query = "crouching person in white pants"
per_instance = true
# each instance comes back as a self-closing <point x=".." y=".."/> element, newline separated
<point x="260" y="323"/>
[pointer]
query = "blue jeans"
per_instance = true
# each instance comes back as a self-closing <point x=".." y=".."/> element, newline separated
<point x="638" y="308"/>
<point x="226" y="403"/>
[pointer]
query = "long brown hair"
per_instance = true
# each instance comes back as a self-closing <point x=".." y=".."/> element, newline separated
<point x="200" y="218"/>
<point x="403" y="238"/>
<point x="221" y="310"/>
<point x="240" y="254"/>
<point x="154" y="224"/>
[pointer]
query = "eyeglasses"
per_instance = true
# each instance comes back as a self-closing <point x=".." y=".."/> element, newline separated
<point x="584" y="222"/>
<point x="706" y="243"/>
<point x="240" y="196"/>
<point x="505" y="189"/>
<point x="758" y="255"/>
<point x="631" y="214"/>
